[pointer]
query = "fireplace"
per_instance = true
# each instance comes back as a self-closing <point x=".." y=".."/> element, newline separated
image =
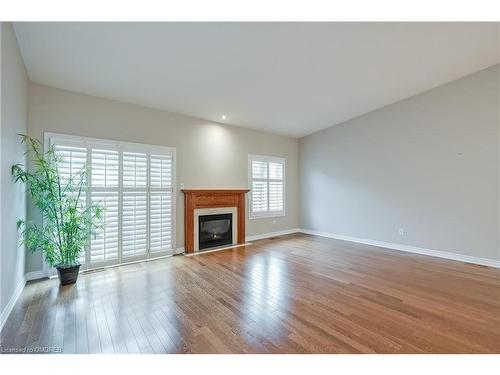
<point x="215" y="230"/>
<point x="208" y="202"/>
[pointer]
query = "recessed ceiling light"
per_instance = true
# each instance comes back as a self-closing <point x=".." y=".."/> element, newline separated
<point x="223" y="117"/>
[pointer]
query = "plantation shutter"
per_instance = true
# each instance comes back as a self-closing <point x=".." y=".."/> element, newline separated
<point x="276" y="187"/>
<point x="134" y="216"/>
<point x="267" y="197"/>
<point x="134" y="170"/>
<point x="135" y="186"/>
<point x="160" y="203"/>
<point x="104" y="169"/>
<point x="259" y="186"/>
<point x="104" y="190"/>
<point x="72" y="161"/>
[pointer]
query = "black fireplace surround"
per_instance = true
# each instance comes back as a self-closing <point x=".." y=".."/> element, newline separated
<point x="215" y="230"/>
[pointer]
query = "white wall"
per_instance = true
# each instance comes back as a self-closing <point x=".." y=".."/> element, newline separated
<point x="14" y="99"/>
<point x="428" y="164"/>
<point x="208" y="154"/>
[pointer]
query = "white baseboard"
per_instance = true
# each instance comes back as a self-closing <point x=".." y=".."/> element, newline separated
<point x="271" y="234"/>
<point x="410" y="249"/>
<point x="7" y="310"/>
<point x="35" y="275"/>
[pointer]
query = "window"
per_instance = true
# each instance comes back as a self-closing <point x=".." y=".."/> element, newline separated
<point x="134" y="183"/>
<point x="267" y="183"/>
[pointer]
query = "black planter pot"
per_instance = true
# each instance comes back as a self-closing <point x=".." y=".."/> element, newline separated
<point x="68" y="274"/>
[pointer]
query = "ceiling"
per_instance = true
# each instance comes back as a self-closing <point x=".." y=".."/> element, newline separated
<point x="286" y="78"/>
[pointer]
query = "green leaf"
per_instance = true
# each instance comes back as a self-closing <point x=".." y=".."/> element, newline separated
<point x="67" y="225"/>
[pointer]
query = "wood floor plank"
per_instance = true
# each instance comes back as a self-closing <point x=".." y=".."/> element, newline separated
<point x="94" y="340"/>
<point x="291" y="294"/>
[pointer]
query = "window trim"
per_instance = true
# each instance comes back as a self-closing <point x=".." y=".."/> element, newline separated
<point x="269" y="159"/>
<point x="50" y="138"/>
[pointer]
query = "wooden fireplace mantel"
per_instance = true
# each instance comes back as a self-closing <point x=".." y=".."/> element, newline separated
<point x="212" y="198"/>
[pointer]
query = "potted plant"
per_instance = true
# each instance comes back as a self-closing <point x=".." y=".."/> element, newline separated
<point x="68" y="222"/>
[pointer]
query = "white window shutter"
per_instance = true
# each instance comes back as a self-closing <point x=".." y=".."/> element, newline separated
<point x="161" y="172"/>
<point x="259" y="196"/>
<point x="276" y="171"/>
<point x="104" y="191"/>
<point x="134" y="170"/>
<point x="276" y="196"/>
<point x="276" y="187"/>
<point x="134" y="224"/>
<point x="104" y="168"/>
<point x="160" y="204"/>
<point x="134" y="212"/>
<point x="82" y="203"/>
<point x="134" y="185"/>
<point x="104" y="245"/>
<point x="259" y="169"/>
<point x="268" y="186"/>
<point x="72" y="163"/>
<point x="259" y="186"/>
<point x="160" y="222"/>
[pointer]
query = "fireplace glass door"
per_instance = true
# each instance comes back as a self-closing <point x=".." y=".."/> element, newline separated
<point x="215" y="230"/>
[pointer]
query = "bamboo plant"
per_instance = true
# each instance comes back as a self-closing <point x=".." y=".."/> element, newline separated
<point x="68" y="222"/>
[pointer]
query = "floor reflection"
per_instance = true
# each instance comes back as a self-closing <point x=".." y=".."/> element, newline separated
<point x="266" y="292"/>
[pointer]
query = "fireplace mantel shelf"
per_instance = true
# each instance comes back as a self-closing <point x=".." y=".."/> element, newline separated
<point x="215" y="191"/>
<point x="212" y="198"/>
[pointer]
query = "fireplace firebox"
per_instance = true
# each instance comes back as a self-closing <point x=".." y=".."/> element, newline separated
<point x="215" y="230"/>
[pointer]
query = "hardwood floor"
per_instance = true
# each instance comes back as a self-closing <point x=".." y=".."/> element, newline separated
<point x="293" y="294"/>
